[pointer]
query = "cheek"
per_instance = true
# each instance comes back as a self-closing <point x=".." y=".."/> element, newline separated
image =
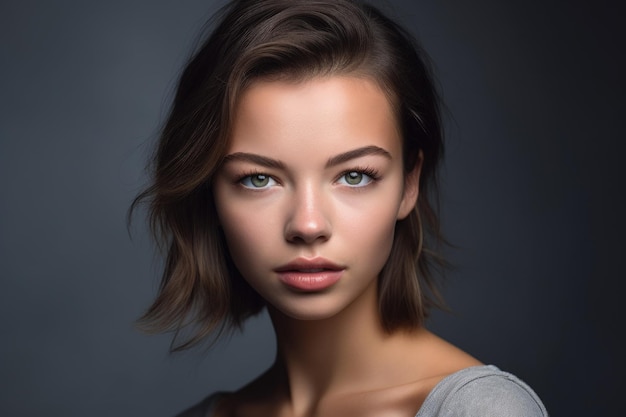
<point x="370" y="234"/>
<point x="250" y="232"/>
<point x="242" y="231"/>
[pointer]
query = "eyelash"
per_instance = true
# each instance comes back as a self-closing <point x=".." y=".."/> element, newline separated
<point x="369" y="171"/>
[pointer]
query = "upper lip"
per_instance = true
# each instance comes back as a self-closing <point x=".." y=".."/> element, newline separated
<point x="303" y="264"/>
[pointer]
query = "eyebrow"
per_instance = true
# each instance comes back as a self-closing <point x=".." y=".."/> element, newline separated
<point x="255" y="159"/>
<point x="357" y="153"/>
<point x="333" y="161"/>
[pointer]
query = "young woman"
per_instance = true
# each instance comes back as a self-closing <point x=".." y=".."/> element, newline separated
<point x="296" y="172"/>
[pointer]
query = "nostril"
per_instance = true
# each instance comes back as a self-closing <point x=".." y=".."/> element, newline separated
<point x="300" y="237"/>
<point x="306" y="233"/>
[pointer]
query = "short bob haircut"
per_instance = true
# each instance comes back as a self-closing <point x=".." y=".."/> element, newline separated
<point x="201" y="291"/>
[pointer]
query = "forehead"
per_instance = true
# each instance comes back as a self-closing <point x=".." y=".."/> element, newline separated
<point x="334" y="113"/>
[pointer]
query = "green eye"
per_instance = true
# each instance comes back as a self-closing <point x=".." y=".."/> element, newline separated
<point x="353" y="178"/>
<point x="356" y="178"/>
<point x="258" y="181"/>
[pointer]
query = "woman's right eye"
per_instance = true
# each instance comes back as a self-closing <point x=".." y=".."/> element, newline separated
<point x="257" y="181"/>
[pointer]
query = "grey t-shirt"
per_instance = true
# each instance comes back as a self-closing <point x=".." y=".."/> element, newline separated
<point x="478" y="391"/>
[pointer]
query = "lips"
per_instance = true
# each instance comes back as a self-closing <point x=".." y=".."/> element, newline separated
<point x="309" y="275"/>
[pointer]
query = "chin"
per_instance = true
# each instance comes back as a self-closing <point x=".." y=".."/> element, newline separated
<point x="321" y="310"/>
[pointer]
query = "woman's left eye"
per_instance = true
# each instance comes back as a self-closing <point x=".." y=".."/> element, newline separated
<point x="258" y="181"/>
<point x="355" y="179"/>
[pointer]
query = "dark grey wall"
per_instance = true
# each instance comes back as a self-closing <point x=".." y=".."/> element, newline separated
<point x="534" y="200"/>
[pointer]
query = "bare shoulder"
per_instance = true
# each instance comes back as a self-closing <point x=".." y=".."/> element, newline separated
<point x="436" y="358"/>
<point x="420" y="361"/>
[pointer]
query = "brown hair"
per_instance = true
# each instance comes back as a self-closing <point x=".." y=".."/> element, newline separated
<point x="201" y="289"/>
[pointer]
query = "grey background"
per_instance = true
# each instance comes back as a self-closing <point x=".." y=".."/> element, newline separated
<point x="533" y="198"/>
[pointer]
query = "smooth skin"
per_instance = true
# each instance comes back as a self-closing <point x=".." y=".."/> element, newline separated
<point x="314" y="172"/>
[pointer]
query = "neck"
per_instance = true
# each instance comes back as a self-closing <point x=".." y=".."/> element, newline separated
<point x="339" y="354"/>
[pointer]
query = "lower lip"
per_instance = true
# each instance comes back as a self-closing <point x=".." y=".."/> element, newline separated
<point x="310" y="281"/>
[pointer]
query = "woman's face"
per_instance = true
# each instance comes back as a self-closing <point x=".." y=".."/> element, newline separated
<point x="310" y="191"/>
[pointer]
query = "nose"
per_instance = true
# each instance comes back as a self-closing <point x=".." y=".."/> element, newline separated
<point x="308" y="220"/>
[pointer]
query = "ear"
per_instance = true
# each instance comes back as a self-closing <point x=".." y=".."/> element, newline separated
<point x="411" y="188"/>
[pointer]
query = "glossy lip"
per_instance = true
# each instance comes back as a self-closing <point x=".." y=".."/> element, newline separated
<point x="309" y="275"/>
